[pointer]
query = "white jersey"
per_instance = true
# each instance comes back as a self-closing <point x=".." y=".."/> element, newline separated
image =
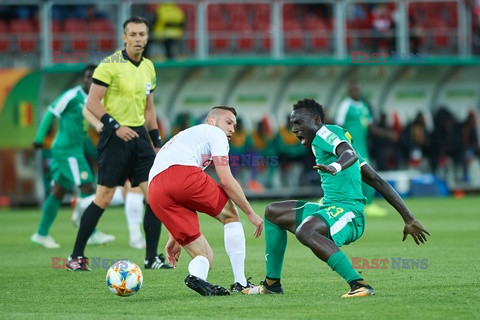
<point x="194" y="146"/>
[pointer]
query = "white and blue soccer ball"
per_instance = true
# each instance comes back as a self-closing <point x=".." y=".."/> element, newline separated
<point x="124" y="278"/>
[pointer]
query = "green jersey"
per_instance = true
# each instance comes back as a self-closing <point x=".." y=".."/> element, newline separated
<point x="68" y="109"/>
<point x="355" y="117"/>
<point x="346" y="186"/>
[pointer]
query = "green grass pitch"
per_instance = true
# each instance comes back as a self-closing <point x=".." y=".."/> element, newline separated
<point x="447" y="288"/>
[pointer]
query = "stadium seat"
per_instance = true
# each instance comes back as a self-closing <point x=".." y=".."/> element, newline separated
<point x="452" y="15"/>
<point x="294" y="35"/>
<point x="218" y="36"/>
<point x="318" y="32"/>
<point x="56" y="35"/>
<point x="77" y="34"/>
<point x="192" y="43"/>
<point x="440" y="33"/>
<point x="237" y="13"/>
<point x="24" y="31"/>
<point x="245" y="40"/>
<point x="3" y="36"/>
<point x="104" y="33"/>
<point x="215" y="11"/>
<point x="261" y="17"/>
<point x="289" y="12"/>
<point x="190" y="25"/>
<point x="220" y="43"/>
<point x="261" y="25"/>
<point x="190" y="11"/>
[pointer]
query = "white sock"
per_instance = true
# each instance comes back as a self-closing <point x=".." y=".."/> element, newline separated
<point x="235" y="247"/>
<point x="198" y="267"/>
<point x="85" y="202"/>
<point x="82" y="204"/>
<point x="117" y="198"/>
<point x="134" y="213"/>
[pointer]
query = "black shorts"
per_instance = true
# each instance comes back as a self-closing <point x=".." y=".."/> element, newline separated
<point x="119" y="160"/>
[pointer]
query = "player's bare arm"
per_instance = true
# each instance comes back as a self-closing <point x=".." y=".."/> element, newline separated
<point x="412" y="226"/>
<point x="173" y="250"/>
<point x="95" y="106"/>
<point x="151" y="122"/>
<point x="347" y="157"/>
<point x="150" y="116"/>
<point x="94" y="100"/>
<point x="235" y="193"/>
<point x="97" y="124"/>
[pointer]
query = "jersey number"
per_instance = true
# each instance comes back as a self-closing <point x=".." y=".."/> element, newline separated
<point x="334" y="211"/>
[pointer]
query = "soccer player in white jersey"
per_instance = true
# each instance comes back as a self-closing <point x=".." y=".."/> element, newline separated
<point x="178" y="188"/>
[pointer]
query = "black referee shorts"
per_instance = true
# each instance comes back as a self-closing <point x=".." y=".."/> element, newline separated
<point x="119" y="160"/>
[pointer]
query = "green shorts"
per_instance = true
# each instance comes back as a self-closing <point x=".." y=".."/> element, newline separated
<point x="69" y="168"/>
<point x="345" y="222"/>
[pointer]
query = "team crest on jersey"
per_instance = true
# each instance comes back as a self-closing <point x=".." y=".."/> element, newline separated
<point x="84" y="175"/>
<point x="349" y="136"/>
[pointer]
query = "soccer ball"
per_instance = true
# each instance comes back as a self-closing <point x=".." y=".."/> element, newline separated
<point x="124" y="278"/>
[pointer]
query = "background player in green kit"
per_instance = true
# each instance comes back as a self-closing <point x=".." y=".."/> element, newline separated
<point x="69" y="168"/>
<point x="355" y="116"/>
<point x="339" y="219"/>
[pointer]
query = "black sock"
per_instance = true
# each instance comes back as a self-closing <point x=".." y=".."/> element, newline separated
<point x="354" y="284"/>
<point x="152" y="227"/>
<point x="275" y="284"/>
<point x="88" y="223"/>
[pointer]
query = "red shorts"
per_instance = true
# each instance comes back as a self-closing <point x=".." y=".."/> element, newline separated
<point x="176" y="194"/>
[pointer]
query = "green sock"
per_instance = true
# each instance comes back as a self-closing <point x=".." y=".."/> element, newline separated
<point x="49" y="213"/>
<point x="341" y="265"/>
<point x="275" y="245"/>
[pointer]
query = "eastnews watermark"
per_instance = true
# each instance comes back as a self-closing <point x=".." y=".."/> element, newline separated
<point x="241" y="160"/>
<point x="87" y="57"/>
<point x="397" y="263"/>
<point x="94" y="263"/>
<point x="385" y="57"/>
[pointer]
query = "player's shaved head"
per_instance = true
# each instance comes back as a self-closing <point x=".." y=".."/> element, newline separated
<point x="224" y="118"/>
<point x="219" y="111"/>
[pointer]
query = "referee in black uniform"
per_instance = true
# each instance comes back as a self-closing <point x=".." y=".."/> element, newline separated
<point x="124" y="81"/>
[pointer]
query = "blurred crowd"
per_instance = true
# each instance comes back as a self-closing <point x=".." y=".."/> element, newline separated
<point x="266" y="157"/>
<point x="447" y="144"/>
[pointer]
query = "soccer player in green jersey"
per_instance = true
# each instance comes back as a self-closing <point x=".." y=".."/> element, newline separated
<point x="354" y="115"/>
<point x="69" y="168"/>
<point x="339" y="219"/>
